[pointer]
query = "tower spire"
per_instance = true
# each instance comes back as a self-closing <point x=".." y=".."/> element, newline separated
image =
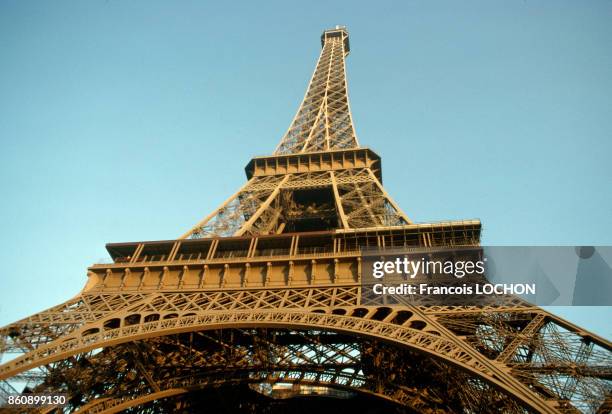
<point x="324" y="121"/>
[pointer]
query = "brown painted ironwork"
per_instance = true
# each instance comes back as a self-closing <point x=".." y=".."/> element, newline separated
<point x="264" y="296"/>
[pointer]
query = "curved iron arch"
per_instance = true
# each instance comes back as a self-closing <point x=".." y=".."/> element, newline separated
<point x="419" y="341"/>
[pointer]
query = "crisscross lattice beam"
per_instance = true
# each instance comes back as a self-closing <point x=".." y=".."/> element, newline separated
<point x="324" y="120"/>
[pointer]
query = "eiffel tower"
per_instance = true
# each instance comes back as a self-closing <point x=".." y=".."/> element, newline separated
<point x="258" y="307"/>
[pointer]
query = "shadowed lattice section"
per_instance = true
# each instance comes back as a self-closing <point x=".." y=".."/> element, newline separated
<point x="171" y="372"/>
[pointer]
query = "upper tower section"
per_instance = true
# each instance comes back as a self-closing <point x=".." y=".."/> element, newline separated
<point x="324" y="121"/>
<point x="338" y="32"/>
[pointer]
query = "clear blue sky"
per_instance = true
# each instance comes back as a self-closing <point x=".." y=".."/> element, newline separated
<point x="131" y="120"/>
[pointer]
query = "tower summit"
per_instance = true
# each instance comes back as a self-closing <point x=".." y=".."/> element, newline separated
<point x="324" y="120"/>
<point x="262" y="302"/>
<point x="338" y="32"/>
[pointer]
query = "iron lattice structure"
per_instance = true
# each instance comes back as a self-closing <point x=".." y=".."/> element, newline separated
<point x="258" y="307"/>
